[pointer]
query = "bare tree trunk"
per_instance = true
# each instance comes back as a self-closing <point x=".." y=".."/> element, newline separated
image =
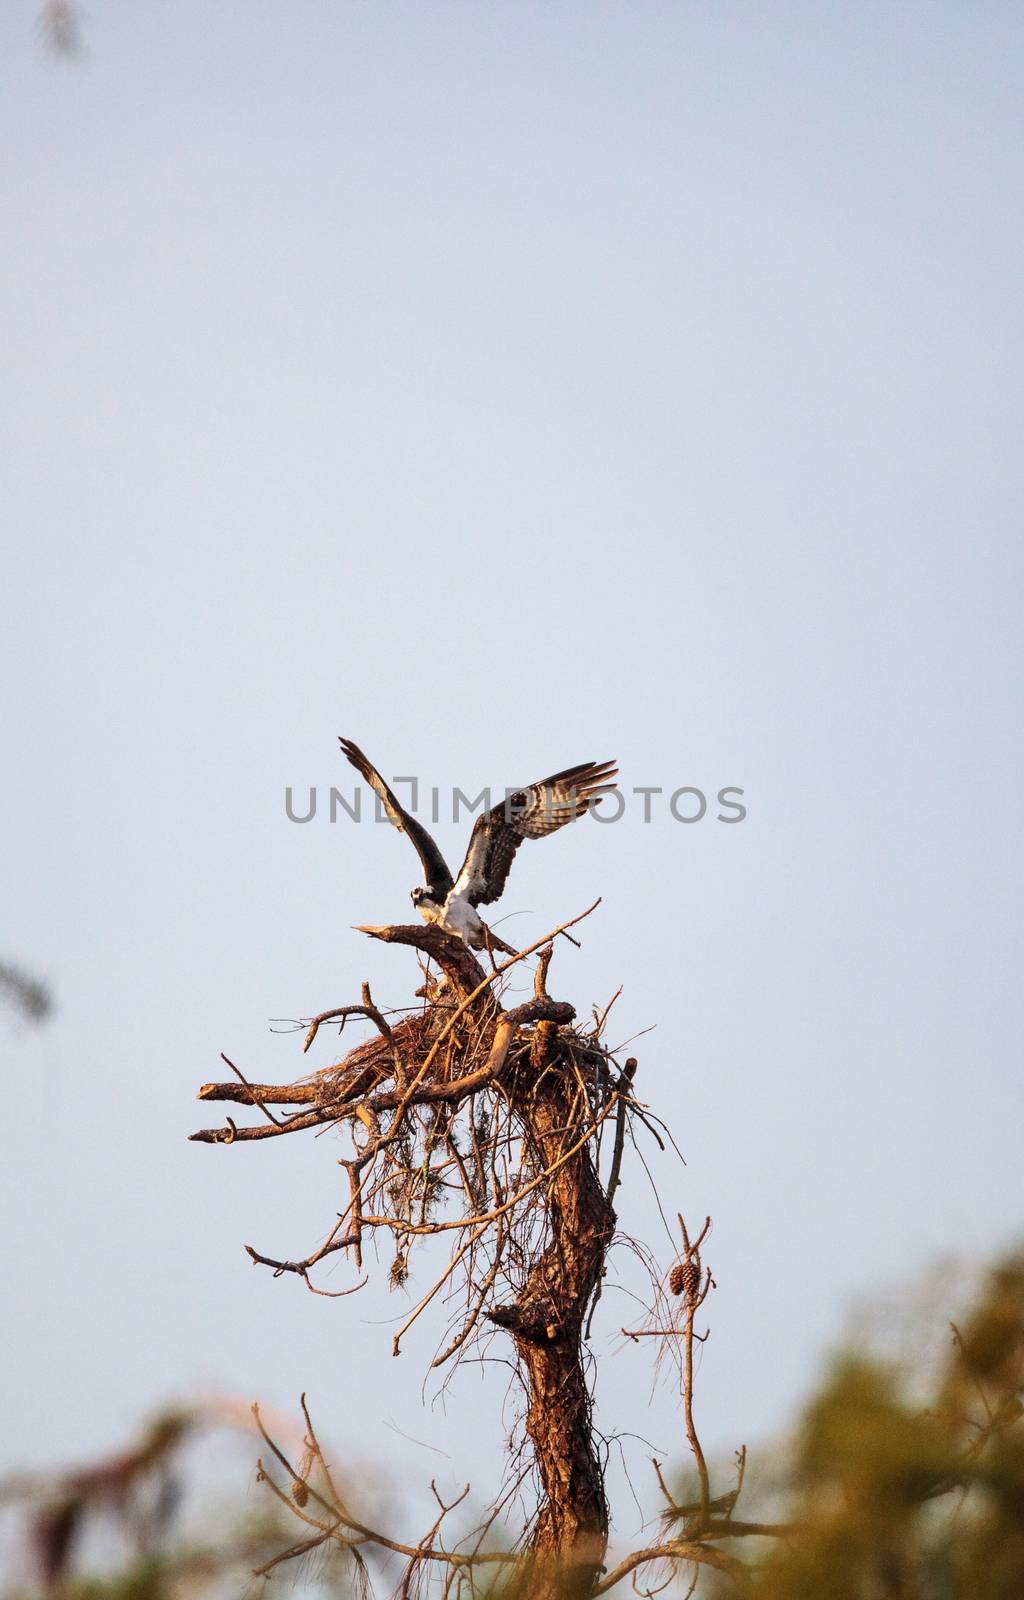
<point x="555" y="1115"/>
<point x="571" y="1533"/>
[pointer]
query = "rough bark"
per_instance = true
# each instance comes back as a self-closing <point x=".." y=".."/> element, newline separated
<point x="546" y="1322"/>
<point x="451" y="953"/>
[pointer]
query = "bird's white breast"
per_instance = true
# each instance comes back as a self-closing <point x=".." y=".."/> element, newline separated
<point x="460" y="916"/>
<point x="430" y="912"/>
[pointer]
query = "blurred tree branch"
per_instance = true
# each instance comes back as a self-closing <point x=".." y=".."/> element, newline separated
<point x="27" y="994"/>
<point x="60" y="26"/>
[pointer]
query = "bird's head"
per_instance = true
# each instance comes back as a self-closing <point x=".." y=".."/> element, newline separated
<point x="421" y="895"/>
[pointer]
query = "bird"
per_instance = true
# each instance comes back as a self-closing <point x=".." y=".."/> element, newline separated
<point x="528" y="813"/>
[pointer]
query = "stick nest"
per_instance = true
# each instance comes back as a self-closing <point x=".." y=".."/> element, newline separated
<point x="463" y="1118"/>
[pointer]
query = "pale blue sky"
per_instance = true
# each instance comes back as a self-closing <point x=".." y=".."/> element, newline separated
<point x="506" y="386"/>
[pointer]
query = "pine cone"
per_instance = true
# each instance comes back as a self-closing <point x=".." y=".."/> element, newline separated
<point x="685" y="1279"/>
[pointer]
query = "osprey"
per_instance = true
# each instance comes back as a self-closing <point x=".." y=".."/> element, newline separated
<point x="528" y="813"/>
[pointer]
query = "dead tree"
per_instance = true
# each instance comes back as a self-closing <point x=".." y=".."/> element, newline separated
<point x="491" y="1125"/>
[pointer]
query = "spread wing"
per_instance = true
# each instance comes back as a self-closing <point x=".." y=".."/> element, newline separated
<point x="527" y="814"/>
<point x="435" y="869"/>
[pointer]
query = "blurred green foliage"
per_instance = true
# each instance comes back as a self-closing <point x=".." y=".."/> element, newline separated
<point x="893" y="1499"/>
<point x="116" y="1529"/>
